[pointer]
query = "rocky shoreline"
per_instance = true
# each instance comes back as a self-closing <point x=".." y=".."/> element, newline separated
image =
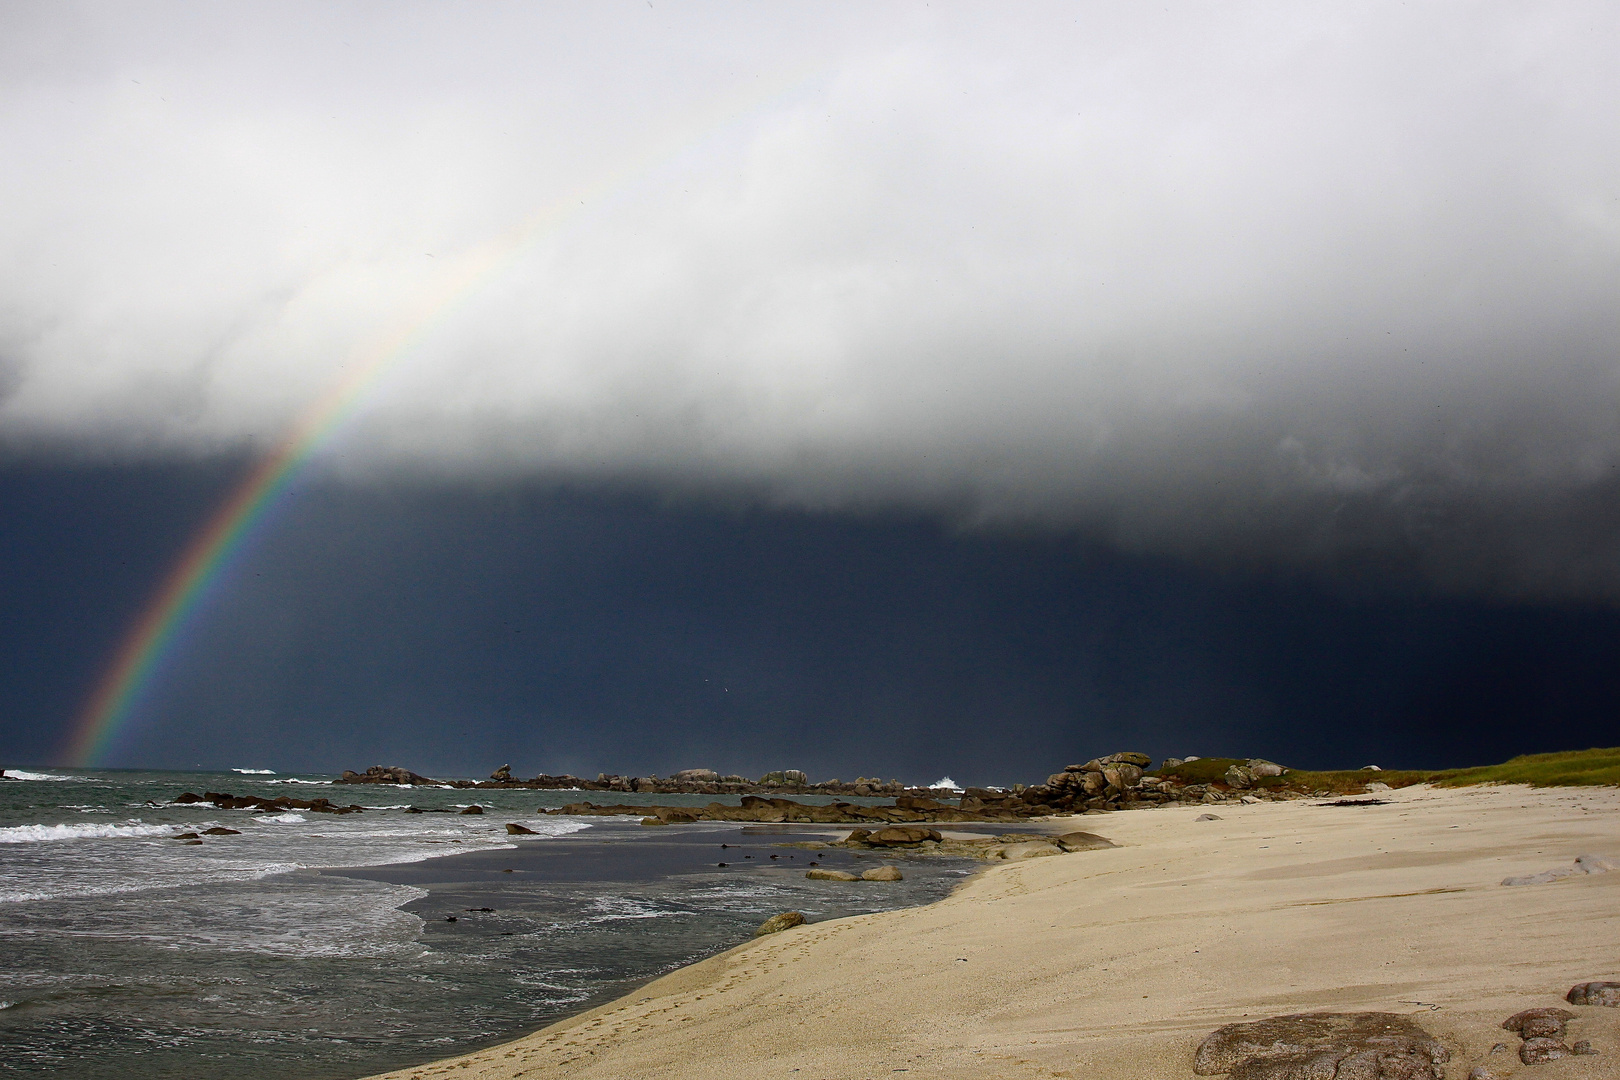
<point x="1120" y="781"/>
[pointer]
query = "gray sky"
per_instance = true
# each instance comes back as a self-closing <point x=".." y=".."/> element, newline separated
<point x="1334" y="286"/>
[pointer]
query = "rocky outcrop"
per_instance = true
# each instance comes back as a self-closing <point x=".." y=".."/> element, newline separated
<point x="1543" y="1033"/>
<point x="379" y="774"/>
<point x="778" y="923"/>
<point x="820" y="874"/>
<point x="519" y="830"/>
<point x="226" y="801"/>
<point x="1323" y="1046"/>
<point x="1594" y="993"/>
<point x="882" y="873"/>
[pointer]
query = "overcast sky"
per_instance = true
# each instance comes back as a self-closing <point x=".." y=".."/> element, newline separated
<point x="1320" y="285"/>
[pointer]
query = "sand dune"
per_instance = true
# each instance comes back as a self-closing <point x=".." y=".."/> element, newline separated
<point x="1114" y="964"/>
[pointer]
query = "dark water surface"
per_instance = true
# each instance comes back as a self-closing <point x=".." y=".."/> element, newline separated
<point x="320" y="946"/>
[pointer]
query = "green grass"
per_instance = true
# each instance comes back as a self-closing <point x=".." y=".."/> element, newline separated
<point x="1566" y="769"/>
<point x="1572" y="768"/>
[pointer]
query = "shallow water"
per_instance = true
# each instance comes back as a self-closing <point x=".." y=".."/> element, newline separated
<point x="322" y="945"/>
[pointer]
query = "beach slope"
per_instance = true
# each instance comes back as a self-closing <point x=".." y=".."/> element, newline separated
<point x="1116" y="963"/>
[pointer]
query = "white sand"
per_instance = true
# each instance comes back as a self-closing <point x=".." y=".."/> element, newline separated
<point x="1115" y="964"/>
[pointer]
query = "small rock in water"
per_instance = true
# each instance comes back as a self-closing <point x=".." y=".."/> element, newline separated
<point x="1541" y="1051"/>
<point x="777" y="923"/>
<point x="449" y="918"/>
<point x="519" y="830"/>
<point x="883" y="873"/>
<point x="1207" y="817"/>
<point x="188" y="843"/>
<point x="220" y="831"/>
<point x="184" y="836"/>
<point x="1594" y="993"/>
<point x="1323" y="1046"/>
<point x="831" y="875"/>
<point x="473" y="809"/>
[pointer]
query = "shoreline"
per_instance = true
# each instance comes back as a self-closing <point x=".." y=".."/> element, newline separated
<point x="1116" y="963"/>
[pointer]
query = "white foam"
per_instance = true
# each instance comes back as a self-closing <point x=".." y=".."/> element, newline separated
<point x="35" y="834"/>
<point x="295" y="780"/>
<point x="944" y="784"/>
<point x="24" y="774"/>
<point x="288" y="818"/>
<point x="255" y="772"/>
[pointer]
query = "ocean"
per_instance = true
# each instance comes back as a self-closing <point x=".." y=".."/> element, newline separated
<point x="334" y="946"/>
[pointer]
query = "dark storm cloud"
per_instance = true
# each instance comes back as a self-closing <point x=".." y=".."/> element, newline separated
<point x="1327" y="287"/>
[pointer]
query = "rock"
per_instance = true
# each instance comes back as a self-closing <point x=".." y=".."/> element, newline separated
<point x="1036" y="850"/>
<point x="896" y="835"/>
<point x="1594" y="993"/>
<point x="1371" y="768"/>
<point x="1480" y="1072"/>
<point x="1238" y="777"/>
<point x="1582" y="1046"/>
<point x="502" y="773"/>
<point x="190" y="842"/>
<point x="1541" y="1051"/>
<point x="220" y="831"/>
<point x="1207" y="817"/>
<point x="379" y="774"/>
<point x="653" y="821"/>
<point x="1248" y="800"/>
<point x="883" y="873"/>
<point x="519" y="830"/>
<point x="1083" y="841"/>
<point x="473" y="809"/>
<point x="1377" y="785"/>
<point x="1262" y="767"/>
<point x="1539" y="1023"/>
<point x="184" y="836"/>
<point x="857" y="836"/>
<point x="1129" y="757"/>
<point x="777" y="923"/>
<point x="1323" y="1046"/>
<point x="696" y="776"/>
<point x="1171" y="762"/>
<point x="830" y="875"/>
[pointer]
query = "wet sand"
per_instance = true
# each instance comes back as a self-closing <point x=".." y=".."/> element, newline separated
<point x="1114" y="964"/>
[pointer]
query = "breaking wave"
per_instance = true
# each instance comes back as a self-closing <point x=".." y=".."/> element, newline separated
<point x="34" y="834"/>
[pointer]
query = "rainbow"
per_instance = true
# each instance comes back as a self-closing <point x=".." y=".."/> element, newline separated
<point x="157" y="630"/>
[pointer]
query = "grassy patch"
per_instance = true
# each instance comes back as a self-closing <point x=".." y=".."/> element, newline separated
<point x="1571" y="768"/>
<point x="1567" y="769"/>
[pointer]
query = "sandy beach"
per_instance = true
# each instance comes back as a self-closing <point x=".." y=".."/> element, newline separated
<point x="1117" y="963"/>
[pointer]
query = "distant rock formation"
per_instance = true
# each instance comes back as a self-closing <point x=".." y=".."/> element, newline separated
<point x="379" y="774"/>
<point x="227" y="801"/>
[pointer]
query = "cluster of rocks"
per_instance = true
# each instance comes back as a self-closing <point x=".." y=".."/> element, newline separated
<point x="1594" y="993"/>
<point x="388" y="774"/>
<point x="684" y="782"/>
<point x="1542" y="1035"/>
<point x="226" y="801"/>
<point x="1012" y="847"/>
<point x="754" y="808"/>
<point x="877" y="873"/>
<point x="1323" y="1046"/>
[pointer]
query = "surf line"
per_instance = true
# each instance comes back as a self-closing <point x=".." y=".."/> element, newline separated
<point x="157" y="630"/>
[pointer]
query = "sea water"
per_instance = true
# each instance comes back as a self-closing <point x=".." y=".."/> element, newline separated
<point x="330" y="946"/>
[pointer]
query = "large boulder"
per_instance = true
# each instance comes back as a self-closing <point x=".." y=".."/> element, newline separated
<point x="504" y="773"/>
<point x="1323" y="1046"/>
<point x="1262" y="767"/>
<point x="882" y="873"/>
<point x="380" y="774"/>
<point x="1238" y="776"/>
<point x="819" y="874"/>
<point x="1033" y="850"/>
<point x="777" y="923"/>
<point x="1539" y="1023"/>
<point x="1594" y="993"/>
<point x="697" y="776"/>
